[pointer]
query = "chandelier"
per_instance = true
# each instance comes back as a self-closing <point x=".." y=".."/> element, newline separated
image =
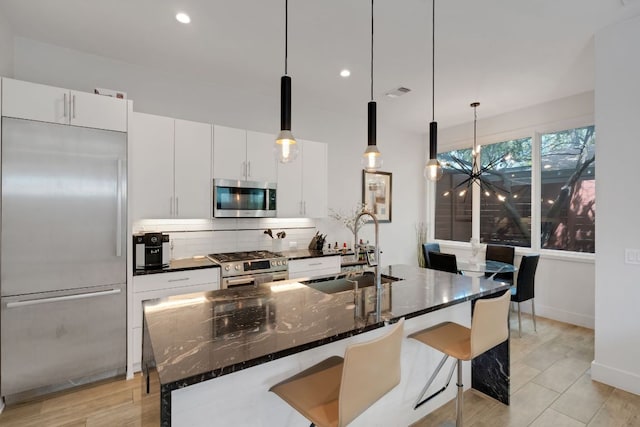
<point x="475" y="172"/>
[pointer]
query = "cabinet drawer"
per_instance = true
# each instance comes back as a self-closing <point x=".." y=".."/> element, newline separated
<point x="178" y="279"/>
<point x="314" y="266"/>
<point x="140" y="297"/>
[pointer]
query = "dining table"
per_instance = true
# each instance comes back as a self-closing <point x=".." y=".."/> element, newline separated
<point x="485" y="266"/>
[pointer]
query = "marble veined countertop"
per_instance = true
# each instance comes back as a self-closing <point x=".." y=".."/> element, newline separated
<point x="196" y="337"/>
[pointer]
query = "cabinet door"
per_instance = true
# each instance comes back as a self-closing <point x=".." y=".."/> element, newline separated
<point x="151" y="180"/>
<point x="97" y="111"/>
<point x="314" y="180"/>
<point x="192" y="162"/>
<point x="229" y="153"/>
<point x="290" y="189"/>
<point x="24" y="100"/>
<point x="261" y="162"/>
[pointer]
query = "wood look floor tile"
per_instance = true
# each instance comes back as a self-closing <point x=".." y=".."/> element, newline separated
<point x="583" y="399"/>
<point x="551" y="418"/>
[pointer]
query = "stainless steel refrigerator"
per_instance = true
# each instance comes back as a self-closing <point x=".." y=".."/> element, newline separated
<point x="63" y="256"/>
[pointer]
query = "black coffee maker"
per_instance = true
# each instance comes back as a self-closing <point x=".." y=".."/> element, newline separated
<point x="151" y="251"/>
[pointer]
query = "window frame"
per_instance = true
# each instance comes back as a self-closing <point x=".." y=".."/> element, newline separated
<point x="535" y="133"/>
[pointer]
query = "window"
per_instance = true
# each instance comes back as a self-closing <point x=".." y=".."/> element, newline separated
<point x="505" y="207"/>
<point x="453" y="203"/>
<point x="568" y="191"/>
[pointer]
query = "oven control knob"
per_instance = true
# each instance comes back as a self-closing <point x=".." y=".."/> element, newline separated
<point x="278" y="262"/>
<point x="237" y="267"/>
<point x="226" y="267"/>
<point x="284" y="262"/>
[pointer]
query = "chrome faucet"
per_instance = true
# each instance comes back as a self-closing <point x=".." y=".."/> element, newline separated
<point x="377" y="258"/>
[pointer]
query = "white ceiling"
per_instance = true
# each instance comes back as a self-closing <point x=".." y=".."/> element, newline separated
<point x="507" y="54"/>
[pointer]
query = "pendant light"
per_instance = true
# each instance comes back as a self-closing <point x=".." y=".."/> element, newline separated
<point x="433" y="169"/>
<point x="286" y="147"/>
<point x="371" y="159"/>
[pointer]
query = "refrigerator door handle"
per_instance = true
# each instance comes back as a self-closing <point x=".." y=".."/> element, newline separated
<point x="64" y="298"/>
<point x="119" y="211"/>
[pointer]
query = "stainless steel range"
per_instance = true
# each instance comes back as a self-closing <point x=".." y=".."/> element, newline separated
<point x="250" y="268"/>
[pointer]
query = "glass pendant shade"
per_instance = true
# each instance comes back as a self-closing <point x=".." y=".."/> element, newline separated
<point x="371" y="159"/>
<point x="286" y="147"/>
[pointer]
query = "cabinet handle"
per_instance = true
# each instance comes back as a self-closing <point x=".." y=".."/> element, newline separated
<point x="119" y="211"/>
<point x="66" y="106"/>
<point x="171" y="205"/>
<point x="315" y="263"/>
<point x="177" y="206"/>
<point x="249" y="169"/>
<point x="304" y="210"/>
<point x="63" y="298"/>
<point x="73" y="106"/>
<point x="184" y="279"/>
<point x="243" y="170"/>
<point x="300" y="209"/>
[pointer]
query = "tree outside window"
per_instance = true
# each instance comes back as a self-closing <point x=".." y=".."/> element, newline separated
<point x="453" y="203"/>
<point x="568" y="198"/>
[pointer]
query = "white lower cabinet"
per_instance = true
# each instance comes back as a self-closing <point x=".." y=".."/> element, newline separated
<point x="312" y="267"/>
<point x="160" y="285"/>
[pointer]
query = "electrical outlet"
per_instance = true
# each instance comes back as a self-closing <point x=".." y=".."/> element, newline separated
<point x="632" y="256"/>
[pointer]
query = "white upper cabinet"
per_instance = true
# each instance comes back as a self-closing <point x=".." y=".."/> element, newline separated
<point x="151" y="179"/>
<point x="25" y="100"/>
<point x="261" y="163"/>
<point x="315" y="184"/>
<point x="192" y="163"/>
<point x="243" y="155"/>
<point x="171" y="167"/>
<point x="303" y="184"/>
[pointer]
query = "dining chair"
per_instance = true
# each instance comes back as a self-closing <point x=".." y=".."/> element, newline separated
<point x="443" y="262"/>
<point x="489" y="327"/>
<point x="504" y="254"/>
<point x="336" y="391"/>
<point x="525" y="287"/>
<point x="429" y="247"/>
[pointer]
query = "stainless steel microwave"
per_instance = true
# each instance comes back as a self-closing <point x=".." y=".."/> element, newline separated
<point x="243" y="199"/>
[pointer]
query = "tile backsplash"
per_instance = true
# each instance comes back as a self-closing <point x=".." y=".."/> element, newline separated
<point x="200" y="237"/>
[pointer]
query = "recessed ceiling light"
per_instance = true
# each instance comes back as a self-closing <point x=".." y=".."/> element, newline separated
<point x="183" y="18"/>
<point x="345" y="73"/>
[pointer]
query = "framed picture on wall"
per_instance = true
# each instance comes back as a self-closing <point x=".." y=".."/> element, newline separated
<point x="376" y="194"/>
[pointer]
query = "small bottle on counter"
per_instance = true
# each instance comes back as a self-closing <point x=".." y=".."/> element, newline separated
<point x="344" y="248"/>
<point x="335" y="247"/>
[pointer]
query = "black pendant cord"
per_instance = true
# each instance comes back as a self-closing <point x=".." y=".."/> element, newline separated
<point x="372" y="50"/>
<point x="433" y="61"/>
<point x="286" y="34"/>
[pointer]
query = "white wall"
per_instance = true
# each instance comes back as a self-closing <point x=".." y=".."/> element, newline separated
<point x="156" y="92"/>
<point x="617" y="338"/>
<point x="6" y="46"/>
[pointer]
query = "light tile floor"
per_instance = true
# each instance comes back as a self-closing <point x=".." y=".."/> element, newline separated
<point x="550" y="385"/>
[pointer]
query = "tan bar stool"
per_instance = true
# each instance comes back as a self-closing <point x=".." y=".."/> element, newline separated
<point x="335" y="391"/>
<point x="489" y="327"/>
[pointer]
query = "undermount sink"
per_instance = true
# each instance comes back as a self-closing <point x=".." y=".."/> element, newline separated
<point x="332" y="285"/>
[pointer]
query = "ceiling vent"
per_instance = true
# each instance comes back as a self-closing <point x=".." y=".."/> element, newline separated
<point x="395" y="93"/>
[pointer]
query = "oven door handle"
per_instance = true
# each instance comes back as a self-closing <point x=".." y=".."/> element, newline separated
<point x="243" y="281"/>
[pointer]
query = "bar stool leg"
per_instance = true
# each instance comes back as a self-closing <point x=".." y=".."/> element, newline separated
<point x="460" y="396"/>
<point x="519" y="323"/>
<point x="533" y="313"/>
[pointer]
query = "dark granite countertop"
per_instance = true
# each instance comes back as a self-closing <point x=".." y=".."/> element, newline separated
<point x="201" y="336"/>
<point x="180" y="265"/>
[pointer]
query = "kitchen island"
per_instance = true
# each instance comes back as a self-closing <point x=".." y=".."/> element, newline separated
<point x="217" y="353"/>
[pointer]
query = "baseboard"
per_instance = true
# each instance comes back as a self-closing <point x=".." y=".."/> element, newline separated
<point x="624" y="380"/>
<point x="577" y="319"/>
